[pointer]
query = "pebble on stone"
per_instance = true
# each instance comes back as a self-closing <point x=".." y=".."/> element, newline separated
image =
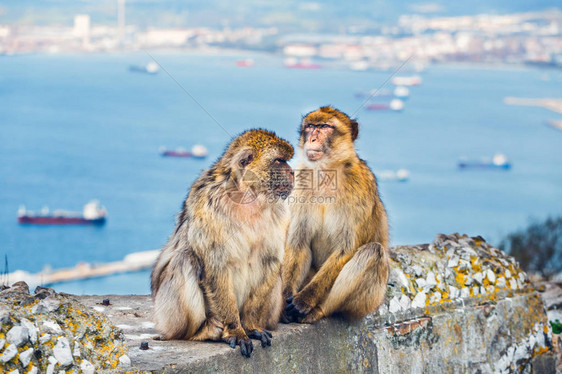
<point x="419" y="300"/>
<point x="25" y="357"/>
<point x="52" y="327"/>
<point x="10" y="352"/>
<point x="62" y="352"/>
<point x="31" y="329"/>
<point x="87" y="367"/>
<point x="17" y="335"/>
<point x="124" y="361"/>
<point x="491" y="276"/>
<point x="44" y="338"/>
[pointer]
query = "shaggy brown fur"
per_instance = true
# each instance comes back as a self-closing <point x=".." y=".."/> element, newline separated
<point x="219" y="275"/>
<point x="336" y="257"/>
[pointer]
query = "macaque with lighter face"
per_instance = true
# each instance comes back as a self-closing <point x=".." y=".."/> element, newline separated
<point x="336" y="256"/>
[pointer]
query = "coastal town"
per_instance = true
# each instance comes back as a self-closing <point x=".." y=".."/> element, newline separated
<point x="521" y="38"/>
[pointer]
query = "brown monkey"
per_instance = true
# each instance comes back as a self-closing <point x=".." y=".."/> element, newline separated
<point x="336" y="257"/>
<point x="219" y="275"/>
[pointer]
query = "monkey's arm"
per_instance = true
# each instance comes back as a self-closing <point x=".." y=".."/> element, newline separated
<point x="319" y="286"/>
<point x="221" y="304"/>
<point x="298" y="255"/>
<point x="296" y="266"/>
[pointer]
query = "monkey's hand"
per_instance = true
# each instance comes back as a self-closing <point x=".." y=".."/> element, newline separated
<point x="262" y="335"/>
<point x="297" y="307"/>
<point x="238" y="337"/>
<point x="285" y="318"/>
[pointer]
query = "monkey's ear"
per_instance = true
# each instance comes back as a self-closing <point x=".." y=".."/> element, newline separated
<point x="354" y="129"/>
<point x="246" y="157"/>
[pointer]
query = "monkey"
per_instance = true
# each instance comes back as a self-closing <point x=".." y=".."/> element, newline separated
<point x="336" y="256"/>
<point x="219" y="275"/>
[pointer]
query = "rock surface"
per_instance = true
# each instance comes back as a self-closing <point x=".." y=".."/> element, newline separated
<point x="38" y="330"/>
<point x="455" y="305"/>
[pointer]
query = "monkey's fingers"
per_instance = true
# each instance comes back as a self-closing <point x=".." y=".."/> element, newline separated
<point x="264" y="336"/>
<point x="246" y="347"/>
<point x="231" y="341"/>
<point x="292" y="312"/>
<point x="285" y="318"/>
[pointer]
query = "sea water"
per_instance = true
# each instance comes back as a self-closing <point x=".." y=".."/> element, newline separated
<point x="78" y="127"/>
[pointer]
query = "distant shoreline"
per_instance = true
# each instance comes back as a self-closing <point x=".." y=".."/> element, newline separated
<point x="554" y="105"/>
<point x="243" y="53"/>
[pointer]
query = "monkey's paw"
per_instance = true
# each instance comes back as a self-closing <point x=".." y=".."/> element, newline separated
<point x="263" y="335"/>
<point x="241" y="339"/>
<point x="285" y="318"/>
<point x="314" y="315"/>
<point x="297" y="309"/>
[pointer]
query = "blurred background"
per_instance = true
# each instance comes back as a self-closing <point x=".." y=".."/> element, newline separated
<point x="125" y="102"/>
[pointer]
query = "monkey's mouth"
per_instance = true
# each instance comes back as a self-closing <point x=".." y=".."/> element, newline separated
<point x="281" y="189"/>
<point x="314" y="155"/>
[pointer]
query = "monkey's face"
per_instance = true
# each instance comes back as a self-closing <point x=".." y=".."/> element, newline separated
<point x="317" y="137"/>
<point x="266" y="174"/>
<point x="325" y="131"/>
<point x="258" y="165"/>
<point x="281" y="178"/>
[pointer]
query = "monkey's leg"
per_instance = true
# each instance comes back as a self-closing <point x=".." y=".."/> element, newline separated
<point x="359" y="288"/>
<point x="317" y="289"/>
<point x="296" y="266"/>
<point x="257" y="308"/>
<point x="276" y="305"/>
<point x="219" y="293"/>
<point x="179" y="306"/>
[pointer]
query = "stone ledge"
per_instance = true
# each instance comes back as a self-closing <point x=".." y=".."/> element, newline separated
<point x="509" y="335"/>
<point x="457" y="304"/>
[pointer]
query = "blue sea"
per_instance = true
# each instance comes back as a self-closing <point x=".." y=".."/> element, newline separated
<point x="79" y="127"/>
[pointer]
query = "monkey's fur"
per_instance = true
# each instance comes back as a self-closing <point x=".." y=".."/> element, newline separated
<point x="336" y="257"/>
<point x="219" y="275"/>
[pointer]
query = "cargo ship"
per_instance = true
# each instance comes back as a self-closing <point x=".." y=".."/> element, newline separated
<point x="374" y="94"/>
<point x="92" y="214"/>
<point x="150" y="68"/>
<point x="400" y="175"/>
<point x="414" y="80"/>
<point x="197" y="151"/>
<point x="247" y="63"/>
<point x="293" y="63"/>
<point x="396" y="105"/>
<point x="499" y="161"/>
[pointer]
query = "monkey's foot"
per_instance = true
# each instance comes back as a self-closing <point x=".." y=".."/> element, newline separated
<point x="297" y="308"/>
<point x="314" y="315"/>
<point x="262" y="335"/>
<point x="210" y="330"/>
<point x="239" y="337"/>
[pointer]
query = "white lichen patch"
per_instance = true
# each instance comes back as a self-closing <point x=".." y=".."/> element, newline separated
<point x="48" y="332"/>
<point x="453" y="267"/>
<point x="517" y="355"/>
